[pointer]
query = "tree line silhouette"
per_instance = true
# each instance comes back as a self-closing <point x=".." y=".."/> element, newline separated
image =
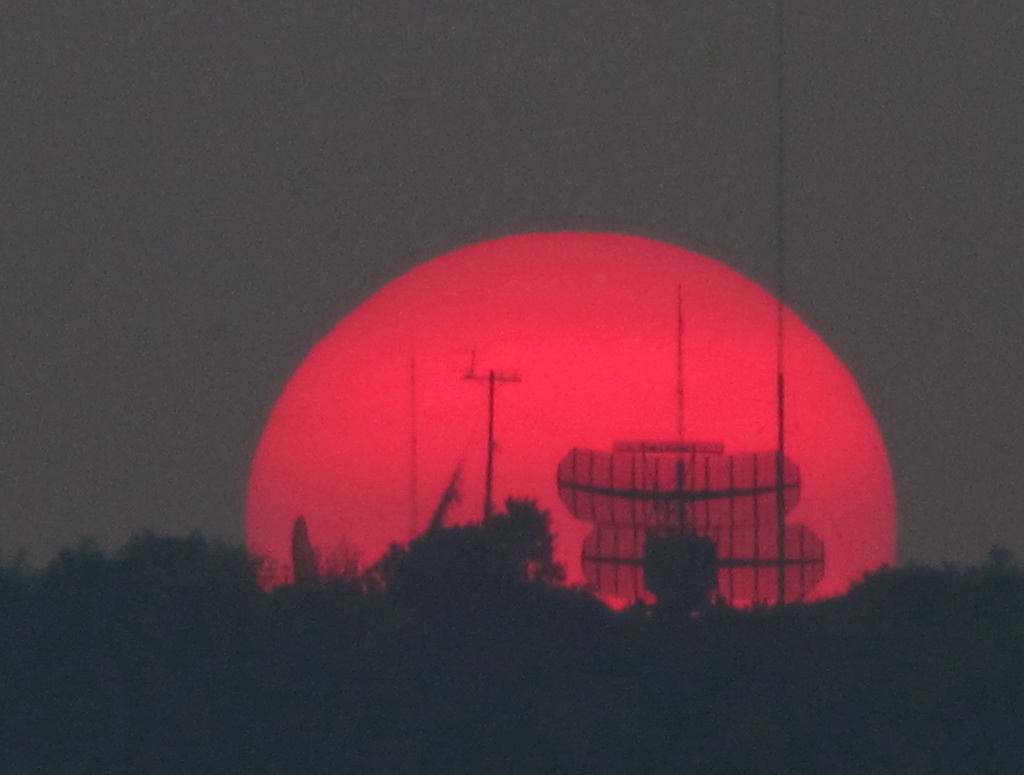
<point x="463" y="652"/>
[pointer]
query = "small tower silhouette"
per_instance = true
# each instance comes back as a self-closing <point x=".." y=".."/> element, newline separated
<point x="303" y="558"/>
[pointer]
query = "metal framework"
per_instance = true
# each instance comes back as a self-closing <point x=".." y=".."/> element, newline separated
<point x="669" y="488"/>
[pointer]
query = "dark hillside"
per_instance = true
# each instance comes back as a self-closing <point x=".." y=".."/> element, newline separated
<point x="168" y="657"/>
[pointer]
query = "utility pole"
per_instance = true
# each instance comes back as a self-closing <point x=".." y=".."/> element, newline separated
<point x="492" y="379"/>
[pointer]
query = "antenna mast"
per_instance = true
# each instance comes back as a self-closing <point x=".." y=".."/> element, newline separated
<point x="413" y="453"/>
<point x="679" y="362"/>
<point x="780" y="496"/>
<point x="492" y="379"/>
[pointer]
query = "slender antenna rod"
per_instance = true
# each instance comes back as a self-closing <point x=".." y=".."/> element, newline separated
<point x="413" y="453"/>
<point x="679" y="362"/>
<point x="492" y="379"/>
<point x="780" y="456"/>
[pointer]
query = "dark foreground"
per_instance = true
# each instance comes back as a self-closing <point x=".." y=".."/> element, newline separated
<point x="168" y="657"/>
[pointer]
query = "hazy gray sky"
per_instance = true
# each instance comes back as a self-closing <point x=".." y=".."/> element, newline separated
<point x="194" y="192"/>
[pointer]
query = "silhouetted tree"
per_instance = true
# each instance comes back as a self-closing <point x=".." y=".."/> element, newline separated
<point x="506" y="551"/>
<point x="166" y="656"/>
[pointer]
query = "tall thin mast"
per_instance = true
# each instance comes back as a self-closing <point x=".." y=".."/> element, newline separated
<point x="413" y="453"/>
<point x="679" y="362"/>
<point x="780" y="456"/>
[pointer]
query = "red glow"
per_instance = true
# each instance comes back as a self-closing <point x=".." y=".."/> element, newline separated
<point x="588" y="321"/>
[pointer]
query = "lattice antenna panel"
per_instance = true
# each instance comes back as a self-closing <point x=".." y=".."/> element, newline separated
<point x="731" y="499"/>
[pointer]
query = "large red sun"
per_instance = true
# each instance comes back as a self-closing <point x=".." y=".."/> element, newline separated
<point x="589" y="324"/>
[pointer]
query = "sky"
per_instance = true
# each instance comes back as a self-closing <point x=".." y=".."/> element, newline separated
<point x="194" y="193"/>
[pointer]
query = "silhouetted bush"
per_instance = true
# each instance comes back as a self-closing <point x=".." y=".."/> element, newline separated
<point x="468" y="656"/>
<point x="467" y="564"/>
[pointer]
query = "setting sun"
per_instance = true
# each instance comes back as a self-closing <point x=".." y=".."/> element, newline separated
<point x="372" y="427"/>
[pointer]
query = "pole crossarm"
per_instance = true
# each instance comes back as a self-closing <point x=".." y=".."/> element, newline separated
<point x="493" y="379"/>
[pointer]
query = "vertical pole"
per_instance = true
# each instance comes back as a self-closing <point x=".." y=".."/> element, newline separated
<point x="413" y="454"/>
<point x="780" y="495"/>
<point x="490" y="445"/>
<point x="679" y="362"/>
<point x="493" y="379"/>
